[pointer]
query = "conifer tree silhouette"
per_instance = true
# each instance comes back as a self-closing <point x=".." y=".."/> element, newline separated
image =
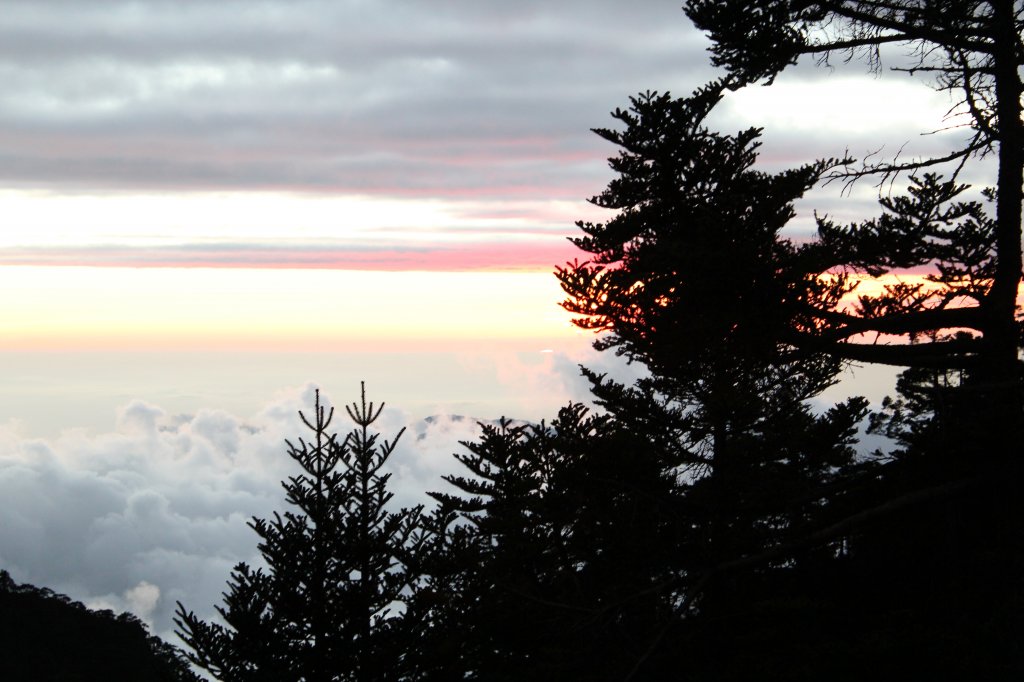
<point x="691" y="278"/>
<point x="566" y="527"/>
<point x="324" y="606"/>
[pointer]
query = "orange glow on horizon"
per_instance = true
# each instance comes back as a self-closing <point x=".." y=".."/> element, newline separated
<point x="274" y="309"/>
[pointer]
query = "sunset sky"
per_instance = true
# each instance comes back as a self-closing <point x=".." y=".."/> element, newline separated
<point x="208" y="207"/>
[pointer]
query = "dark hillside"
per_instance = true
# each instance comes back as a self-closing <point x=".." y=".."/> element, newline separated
<point x="47" y="636"/>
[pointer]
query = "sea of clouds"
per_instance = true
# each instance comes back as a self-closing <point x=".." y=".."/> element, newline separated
<point x="155" y="510"/>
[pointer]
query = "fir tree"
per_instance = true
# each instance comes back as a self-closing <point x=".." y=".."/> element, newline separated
<point x="566" y="550"/>
<point x="324" y="607"/>
<point x="692" y="278"/>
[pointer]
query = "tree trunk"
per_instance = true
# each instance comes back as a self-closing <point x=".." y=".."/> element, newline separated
<point x="1000" y="370"/>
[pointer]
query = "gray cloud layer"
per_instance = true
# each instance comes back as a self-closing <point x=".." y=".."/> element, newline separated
<point x="441" y="98"/>
<point x="453" y="99"/>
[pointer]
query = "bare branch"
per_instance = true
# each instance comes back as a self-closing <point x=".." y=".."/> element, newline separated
<point x="888" y="170"/>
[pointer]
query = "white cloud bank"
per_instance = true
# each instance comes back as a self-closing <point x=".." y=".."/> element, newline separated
<point x="155" y="511"/>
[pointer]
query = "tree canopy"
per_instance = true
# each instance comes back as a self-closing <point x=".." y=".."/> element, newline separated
<point x="969" y="48"/>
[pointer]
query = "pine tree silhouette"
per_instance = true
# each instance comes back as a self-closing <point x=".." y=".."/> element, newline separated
<point x="326" y="605"/>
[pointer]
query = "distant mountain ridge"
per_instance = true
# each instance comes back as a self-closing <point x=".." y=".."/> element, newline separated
<point x="48" y="636"/>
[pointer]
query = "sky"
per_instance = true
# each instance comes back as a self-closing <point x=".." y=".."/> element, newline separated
<point x="208" y="208"/>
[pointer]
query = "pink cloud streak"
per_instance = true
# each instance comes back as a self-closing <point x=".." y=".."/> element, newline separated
<point x="464" y="257"/>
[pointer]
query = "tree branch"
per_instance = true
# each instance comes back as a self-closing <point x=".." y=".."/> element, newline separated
<point x="977" y="144"/>
<point x="955" y="353"/>
<point x="906" y="323"/>
<point x="911" y="31"/>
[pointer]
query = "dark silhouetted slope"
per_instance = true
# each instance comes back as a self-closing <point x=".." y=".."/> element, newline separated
<point x="47" y="636"/>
